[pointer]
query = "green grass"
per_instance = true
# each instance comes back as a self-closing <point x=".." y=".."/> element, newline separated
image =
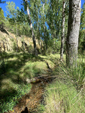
<point x="14" y="69"/>
<point x="67" y="93"/>
<point x="10" y="96"/>
<point x="62" y="96"/>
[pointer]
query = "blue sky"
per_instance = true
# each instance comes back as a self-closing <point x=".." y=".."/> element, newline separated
<point x="18" y="3"/>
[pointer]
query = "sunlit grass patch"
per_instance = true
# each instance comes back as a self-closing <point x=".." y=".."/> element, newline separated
<point x="32" y="69"/>
<point x="51" y="56"/>
<point x="62" y="96"/>
<point x="67" y="93"/>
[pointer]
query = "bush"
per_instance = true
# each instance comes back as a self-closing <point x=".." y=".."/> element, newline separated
<point x="49" y="51"/>
<point x="30" y="49"/>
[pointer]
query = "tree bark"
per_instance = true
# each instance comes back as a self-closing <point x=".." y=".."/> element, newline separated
<point x="63" y="31"/>
<point x="73" y="33"/>
<point x="31" y="27"/>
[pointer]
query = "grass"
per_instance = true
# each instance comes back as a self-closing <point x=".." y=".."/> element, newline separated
<point x="64" y="95"/>
<point x="67" y="93"/>
<point x="12" y="95"/>
<point x="14" y="69"/>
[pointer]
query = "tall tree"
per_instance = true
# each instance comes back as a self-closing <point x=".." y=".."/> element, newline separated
<point x="12" y="13"/>
<point x="63" y="31"/>
<point x="73" y="33"/>
<point x="82" y="31"/>
<point x="31" y="27"/>
<point x="1" y="18"/>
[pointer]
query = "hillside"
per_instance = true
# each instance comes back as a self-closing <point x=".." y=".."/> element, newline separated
<point x="10" y="42"/>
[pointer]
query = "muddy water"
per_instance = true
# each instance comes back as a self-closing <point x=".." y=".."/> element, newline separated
<point x="29" y="102"/>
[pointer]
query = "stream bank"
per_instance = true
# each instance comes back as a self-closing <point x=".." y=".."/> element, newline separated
<point x="29" y="102"/>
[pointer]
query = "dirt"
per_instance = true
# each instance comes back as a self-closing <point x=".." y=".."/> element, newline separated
<point x="29" y="102"/>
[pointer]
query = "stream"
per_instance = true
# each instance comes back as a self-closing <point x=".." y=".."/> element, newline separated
<point x="29" y="102"/>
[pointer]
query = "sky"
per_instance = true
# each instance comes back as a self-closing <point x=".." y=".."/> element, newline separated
<point x="18" y="4"/>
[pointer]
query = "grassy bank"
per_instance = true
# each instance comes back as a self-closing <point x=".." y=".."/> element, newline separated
<point x="14" y="69"/>
<point x="64" y="95"/>
<point x="67" y="93"/>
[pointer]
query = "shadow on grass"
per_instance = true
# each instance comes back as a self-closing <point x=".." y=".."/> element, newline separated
<point x="13" y="71"/>
<point x="10" y="71"/>
<point x="3" y="95"/>
<point x="13" y="66"/>
<point x="5" y="98"/>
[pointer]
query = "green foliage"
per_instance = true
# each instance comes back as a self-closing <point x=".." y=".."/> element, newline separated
<point x="82" y="31"/>
<point x="30" y="49"/>
<point x="53" y="47"/>
<point x="1" y="18"/>
<point x="15" y="48"/>
<point x="62" y="96"/>
<point x="11" y="11"/>
<point x="1" y="15"/>
<point x="17" y="21"/>
<point x="43" y="15"/>
<point x="67" y="92"/>
<point x="82" y="26"/>
<point x="12" y="97"/>
<point x="78" y="74"/>
<point x="2" y="67"/>
<point x="56" y="46"/>
<point x="19" y="66"/>
<point x="49" y="51"/>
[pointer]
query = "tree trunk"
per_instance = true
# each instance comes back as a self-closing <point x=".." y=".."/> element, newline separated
<point x="73" y="33"/>
<point x="31" y="27"/>
<point x="16" y="37"/>
<point x="63" y="31"/>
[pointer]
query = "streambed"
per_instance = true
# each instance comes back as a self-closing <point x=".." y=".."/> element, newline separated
<point x="29" y="102"/>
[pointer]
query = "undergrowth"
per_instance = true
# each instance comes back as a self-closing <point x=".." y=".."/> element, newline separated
<point x="12" y="95"/>
<point x="14" y="69"/>
<point x="67" y="93"/>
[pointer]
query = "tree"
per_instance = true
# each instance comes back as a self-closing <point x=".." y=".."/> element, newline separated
<point x="82" y="26"/>
<point x="63" y="31"/>
<point x="1" y="18"/>
<point x="16" y="20"/>
<point x="12" y="14"/>
<point x="52" y="22"/>
<point x="73" y="33"/>
<point x="82" y="31"/>
<point x="31" y="27"/>
<point x="46" y="20"/>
